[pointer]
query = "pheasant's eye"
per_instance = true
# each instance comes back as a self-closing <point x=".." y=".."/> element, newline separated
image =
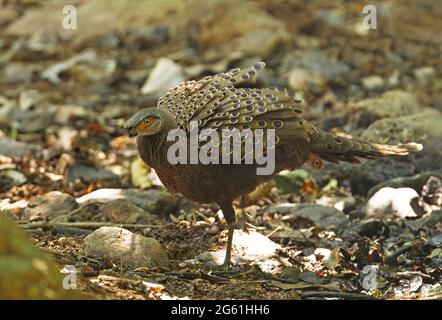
<point x="147" y="121"/>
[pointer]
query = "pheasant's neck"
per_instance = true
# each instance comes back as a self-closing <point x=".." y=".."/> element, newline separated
<point x="153" y="149"/>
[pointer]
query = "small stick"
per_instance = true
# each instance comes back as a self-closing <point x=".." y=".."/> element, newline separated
<point x="88" y="225"/>
<point x="333" y="294"/>
<point x="199" y="275"/>
<point x="276" y="229"/>
<point x="392" y="257"/>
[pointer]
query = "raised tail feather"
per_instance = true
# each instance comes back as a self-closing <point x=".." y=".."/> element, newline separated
<point x="333" y="148"/>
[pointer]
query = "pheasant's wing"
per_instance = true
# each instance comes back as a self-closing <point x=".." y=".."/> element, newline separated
<point x="216" y="103"/>
<point x="195" y="100"/>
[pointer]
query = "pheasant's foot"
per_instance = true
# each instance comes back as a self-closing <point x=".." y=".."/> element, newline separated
<point x="226" y="266"/>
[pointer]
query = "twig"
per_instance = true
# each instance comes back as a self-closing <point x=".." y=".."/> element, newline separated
<point x="333" y="294"/>
<point x="409" y="274"/>
<point x="198" y="275"/>
<point x="88" y="225"/>
<point x="392" y="257"/>
<point x="276" y="229"/>
<point x="118" y="279"/>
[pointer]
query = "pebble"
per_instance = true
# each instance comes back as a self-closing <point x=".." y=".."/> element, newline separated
<point x="165" y="75"/>
<point x="156" y="202"/>
<point x="124" y="248"/>
<point x="373" y="83"/>
<point x="50" y="205"/>
<point x="389" y="200"/>
<point x="15" y="73"/>
<point x="424" y="75"/>
<point x="246" y="248"/>
<point x="323" y="216"/>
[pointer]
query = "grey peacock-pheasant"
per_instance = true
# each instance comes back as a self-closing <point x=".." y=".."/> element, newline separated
<point x="220" y="102"/>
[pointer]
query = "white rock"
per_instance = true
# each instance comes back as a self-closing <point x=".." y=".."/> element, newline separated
<point x="52" y="74"/>
<point x="28" y="99"/>
<point x="394" y="78"/>
<point x="325" y="253"/>
<point x="391" y="200"/>
<point x="424" y="75"/>
<point x="66" y="137"/>
<point x="5" y="204"/>
<point x="246" y="248"/>
<point x="165" y="75"/>
<point x="123" y="247"/>
<point x="373" y="82"/>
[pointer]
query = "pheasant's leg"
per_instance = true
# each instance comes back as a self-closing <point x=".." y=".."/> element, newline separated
<point x="227" y="260"/>
<point x="229" y="215"/>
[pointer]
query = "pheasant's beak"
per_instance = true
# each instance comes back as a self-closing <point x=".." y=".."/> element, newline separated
<point x="132" y="132"/>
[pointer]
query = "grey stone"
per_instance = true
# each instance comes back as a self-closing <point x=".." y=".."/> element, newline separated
<point x="88" y="173"/>
<point x="125" y="248"/>
<point x="316" y="62"/>
<point x="50" y="205"/>
<point x="436" y="240"/>
<point x="109" y="40"/>
<point x="154" y="201"/>
<point x="15" y="176"/>
<point x="430" y="158"/>
<point x="34" y="121"/>
<point x="123" y="211"/>
<point x="325" y="217"/>
<point x="402" y="129"/>
<point x="302" y="79"/>
<point x="428" y="221"/>
<point x="332" y="17"/>
<point x="415" y="182"/>
<point x="15" y="73"/>
<point x="262" y="42"/>
<point x="146" y="37"/>
<point x="290" y="273"/>
<point x="396" y="103"/>
<point x="370" y="173"/>
<point x="424" y="75"/>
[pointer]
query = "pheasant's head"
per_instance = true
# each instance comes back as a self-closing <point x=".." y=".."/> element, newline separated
<point x="147" y="122"/>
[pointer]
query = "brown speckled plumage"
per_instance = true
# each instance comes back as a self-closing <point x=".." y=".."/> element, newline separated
<point x="218" y="102"/>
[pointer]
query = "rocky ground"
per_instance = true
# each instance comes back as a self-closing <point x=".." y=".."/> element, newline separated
<point x="70" y="176"/>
